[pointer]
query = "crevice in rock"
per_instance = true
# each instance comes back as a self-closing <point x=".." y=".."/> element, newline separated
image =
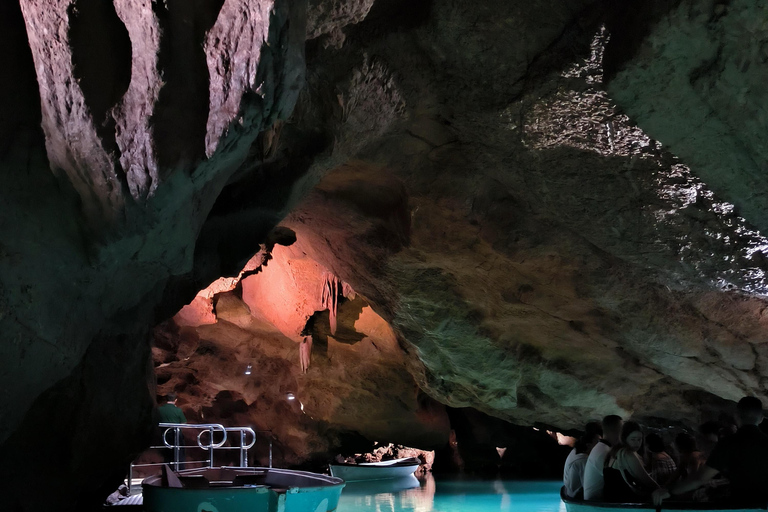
<point x="391" y="16"/>
<point x="181" y="112"/>
<point x="19" y="97"/>
<point x="319" y="326"/>
<point x="101" y="56"/>
<point x="629" y="23"/>
<point x="566" y="48"/>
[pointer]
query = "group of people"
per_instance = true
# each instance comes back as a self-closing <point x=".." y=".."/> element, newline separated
<point x="615" y="461"/>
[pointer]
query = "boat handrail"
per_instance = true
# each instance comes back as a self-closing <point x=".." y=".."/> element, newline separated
<point x="209" y="428"/>
<point x="243" y="431"/>
<point x="241" y="441"/>
<point x="245" y="447"/>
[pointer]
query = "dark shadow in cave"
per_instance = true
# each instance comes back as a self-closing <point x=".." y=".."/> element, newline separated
<point x="389" y="17"/>
<point x="530" y="454"/>
<point x="281" y="235"/>
<point x="319" y="325"/>
<point x="245" y="215"/>
<point x="226" y="405"/>
<point x="347" y="314"/>
<point x="101" y="55"/>
<point x="181" y="113"/>
<point x="629" y="23"/>
<point x="19" y="97"/>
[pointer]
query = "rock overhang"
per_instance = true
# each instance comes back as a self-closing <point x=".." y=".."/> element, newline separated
<point x="557" y="264"/>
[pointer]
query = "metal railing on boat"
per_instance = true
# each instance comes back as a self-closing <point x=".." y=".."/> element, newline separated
<point x="209" y="429"/>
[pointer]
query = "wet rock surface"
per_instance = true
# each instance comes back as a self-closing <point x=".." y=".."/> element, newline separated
<point x="693" y="82"/>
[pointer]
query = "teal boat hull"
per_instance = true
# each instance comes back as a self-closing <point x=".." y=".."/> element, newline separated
<point x="272" y="490"/>
<point x="163" y="499"/>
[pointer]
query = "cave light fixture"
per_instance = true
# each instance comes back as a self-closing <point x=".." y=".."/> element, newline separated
<point x="248" y="369"/>
<point x="290" y="397"/>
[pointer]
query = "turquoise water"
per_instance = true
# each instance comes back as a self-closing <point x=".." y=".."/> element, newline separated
<point x="431" y="494"/>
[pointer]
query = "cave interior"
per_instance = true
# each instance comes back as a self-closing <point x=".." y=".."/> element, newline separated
<point x="450" y="226"/>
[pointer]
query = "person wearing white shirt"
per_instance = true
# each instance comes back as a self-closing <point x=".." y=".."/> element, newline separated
<point x="593" y="470"/>
<point x="573" y="471"/>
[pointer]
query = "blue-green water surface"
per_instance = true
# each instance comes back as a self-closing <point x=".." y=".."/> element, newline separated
<point x="429" y="494"/>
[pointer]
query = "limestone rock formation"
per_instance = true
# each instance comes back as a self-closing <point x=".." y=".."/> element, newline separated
<point x="543" y="211"/>
<point x="357" y="381"/>
<point x="694" y="81"/>
<point x="550" y="240"/>
<point x="101" y="220"/>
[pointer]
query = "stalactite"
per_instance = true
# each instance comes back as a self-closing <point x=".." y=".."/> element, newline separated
<point x="305" y="352"/>
<point x="347" y="291"/>
<point x="330" y="298"/>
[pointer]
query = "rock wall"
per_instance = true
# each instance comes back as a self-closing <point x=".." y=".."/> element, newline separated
<point x="694" y="81"/>
<point x="100" y="221"/>
<point x="551" y="241"/>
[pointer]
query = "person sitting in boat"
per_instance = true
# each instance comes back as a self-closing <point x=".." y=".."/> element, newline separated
<point x="593" y="470"/>
<point x="741" y="457"/>
<point x="707" y="437"/>
<point x="691" y="458"/>
<point x="729" y="426"/>
<point x="573" y="471"/>
<point x="626" y="480"/>
<point x="663" y="468"/>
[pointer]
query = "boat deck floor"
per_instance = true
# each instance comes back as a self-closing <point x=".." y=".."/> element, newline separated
<point x="135" y="500"/>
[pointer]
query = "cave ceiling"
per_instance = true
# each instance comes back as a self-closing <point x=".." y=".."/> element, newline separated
<point x="547" y="211"/>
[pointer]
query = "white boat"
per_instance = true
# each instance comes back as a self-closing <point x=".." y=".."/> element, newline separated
<point x="572" y="505"/>
<point x="396" y="468"/>
<point x="372" y="487"/>
<point x="238" y="489"/>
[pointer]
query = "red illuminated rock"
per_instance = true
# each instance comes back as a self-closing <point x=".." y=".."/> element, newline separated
<point x="197" y="312"/>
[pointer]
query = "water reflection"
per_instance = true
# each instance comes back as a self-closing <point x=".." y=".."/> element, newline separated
<point x="428" y="494"/>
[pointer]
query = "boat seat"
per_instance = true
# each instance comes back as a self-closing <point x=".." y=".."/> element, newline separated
<point x="221" y="483"/>
<point x="169" y="477"/>
<point x="616" y="489"/>
<point x="194" y="482"/>
<point x="255" y="479"/>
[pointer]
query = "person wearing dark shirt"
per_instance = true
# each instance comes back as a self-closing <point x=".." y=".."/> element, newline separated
<point x="168" y="412"/>
<point x="741" y="457"/>
<point x="691" y="458"/>
<point x="708" y="436"/>
<point x="663" y="468"/>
